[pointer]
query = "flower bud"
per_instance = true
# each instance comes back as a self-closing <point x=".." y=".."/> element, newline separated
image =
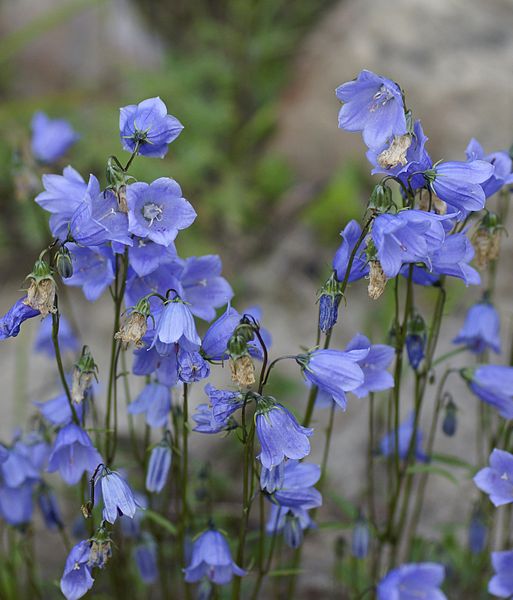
<point x="377" y="280"/>
<point x="449" y="424"/>
<point x="329" y="299"/>
<point x="42" y="289"/>
<point x="360" y="538"/>
<point x="416" y="341"/>
<point x="82" y="378"/>
<point x="477" y="532"/>
<point x="63" y="263"/>
<point x="381" y="198"/>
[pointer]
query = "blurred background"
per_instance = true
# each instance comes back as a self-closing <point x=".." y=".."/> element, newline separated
<point x="261" y="159"/>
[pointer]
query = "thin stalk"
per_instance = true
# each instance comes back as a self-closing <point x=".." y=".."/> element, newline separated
<point x="184" y="478"/>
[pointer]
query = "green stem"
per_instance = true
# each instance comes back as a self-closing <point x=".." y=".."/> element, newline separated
<point x="184" y="478"/>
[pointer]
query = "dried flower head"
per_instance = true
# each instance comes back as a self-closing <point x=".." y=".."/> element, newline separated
<point x="132" y="330"/>
<point x="377" y="280"/>
<point x="41" y="295"/>
<point x="243" y="370"/>
<point x="395" y="154"/>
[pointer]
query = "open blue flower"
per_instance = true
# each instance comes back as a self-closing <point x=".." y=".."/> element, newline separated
<point x="93" y="269"/>
<point x="51" y="138"/>
<point x="497" y="479"/>
<point x="76" y="580"/>
<point x="501" y="584"/>
<point x="118" y="498"/>
<point x="176" y="326"/>
<point x="16" y="503"/>
<point x="481" y="329"/>
<point x="148" y="125"/>
<point x="10" y="323"/>
<point x="57" y="410"/>
<point x="374" y="365"/>
<point x="493" y="384"/>
<point x="155" y="401"/>
<point x="501" y="162"/>
<point x="414" y="580"/>
<point x="296" y="487"/>
<point x="223" y="402"/>
<point x="158" y="467"/>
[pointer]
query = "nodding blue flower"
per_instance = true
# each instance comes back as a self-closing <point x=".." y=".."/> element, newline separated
<point x="360" y="539"/>
<point x="118" y="498"/>
<point x="374" y="365"/>
<point x="158" y="211"/>
<point x="481" y="329"/>
<point x="148" y="125"/>
<point x="359" y="268"/>
<point x="334" y="371"/>
<point x="215" y="340"/>
<point x="18" y="467"/>
<point x="10" y="323"/>
<point x="497" y="479"/>
<point x="493" y="384"/>
<point x="206" y="423"/>
<point x="211" y="557"/>
<point x="148" y="361"/>
<point x="459" y="183"/>
<point x="452" y="258"/>
<point x="407" y="237"/>
<point x="16" y="503"/>
<point x="51" y="138"/>
<point x="176" y="326"/>
<point x="158" y="467"/>
<point x="146" y="256"/>
<point x="272" y="479"/>
<point x="373" y="105"/>
<point x="292" y="522"/>
<point x="98" y="219"/>
<point x="501" y="584"/>
<point x="192" y="366"/>
<point x="62" y="196"/>
<point x="387" y="444"/>
<point x="131" y="526"/>
<point x="49" y="508"/>
<point x="73" y="454"/>
<point x="279" y="434"/>
<point x="477" y="532"/>
<point x="296" y="487"/>
<point x="422" y="580"/>
<point x="93" y="269"/>
<point x="145" y="556"/>
<point x="223" y="402"/>
<point x="76" y="580"/>
<point x="155" y="401"/>
<point x="58" y="412"/>
<point x="502" y="167"/>
<point x="67" y="340"/>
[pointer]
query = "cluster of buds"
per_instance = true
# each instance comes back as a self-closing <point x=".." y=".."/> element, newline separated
<point x="486" y="240"/>
<point x="135" y="325"/>
<point x="241" y="363"/>
<point x="329" y="299"/>
<point x="84" y="371"/>
<point x="42" y="288"/>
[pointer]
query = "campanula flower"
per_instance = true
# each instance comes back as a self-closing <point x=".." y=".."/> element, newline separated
<point x="57" y="410"/>
<point x="49" y="508"/>
<point x="51" y="138"/>
<point x="148" y="125"/>
<point x="10" y="323"/>
<point x="296" y="488"/>
<point x="334" y="371"/>
<point x="62" y="197"/>
<point x="76" y="580"/>
<point x="374" y="365"/>
<point x="146" y="256"/>
<point x="145" y="556"/>
<point x="148" y="361"/>
<point x="192" y="366"/>
<point x="19" y="466"/>
<point x="452" y="258"/>
<point x="292" y="522"/>
<point x="176" y="325"/>
<point x="450" y="422"/>
<point x="477" y="532"/>
<point x="223" y="402"/>
<point x="374" y="106"/>
<point x="211" y="557"/>
<point x="272" y="479"/>
<point x="416" y="338"/>
<point x="73" y="454"/>
<point x="493" y="384"/>
<point x="481" y="329"/>
<point x="497" y="479"/>
<point x="359" y="268"/>
<point x="205" y="422"/>
<point x="279" y="433"/>
<point x="501" y="162"/>
<point x="360" y="538"/>
<point x="157" y="211"/>
<point x="16" y="503"/>
<point x="155" y="401"/>
<point x="67" y="339"/>
<point x="422" y="580"/>
<point x="158" y="467"/>
<point x="93" y="269"/>
<point x="387" y="444"/>
<point x="215" y="340"/>
<point x="501" y="584"/>
<point x="118" y="498"/>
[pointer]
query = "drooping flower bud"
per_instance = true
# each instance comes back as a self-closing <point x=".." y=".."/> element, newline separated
<point x="377" y="280"/>
<point x="329" y="299"/>
<point x="361" y="538"/>
<point x="135" y="325"/>
<point x="63" y="263"/>
<point x="395" y="154"/>
<point x="41" y="291"/>
<point x="83" y="373"/>
<point x="416" y="337"/>
<point x="381" y="198"/>
<point x="449" y="424"/>
<point x="477" y="532"/>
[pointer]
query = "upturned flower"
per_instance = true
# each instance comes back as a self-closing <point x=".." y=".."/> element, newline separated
<point x="41" y="291"/>
<point x="155" y="402"/>
<point x="211" y="557"/>
<point x="76" y="580"/>
<point x="158" y="466"/>
<point x="148" y="128"/>
<point x="10" y="323"/>
<point x="118" y="498"/>
<point x="157" y="211"/>
<point x="373" y="105"/>
<point x="175" y="326"/>
<point x="279" y="433"/>
<point x="134" y="327"/>
<point x="501" y="584"/>
<point x="414" y="580"/>
<point x="51" y="138"/>
<point x="497" y="479"/>
<point x="493" y="384"/>
<point x="481" y="329"/>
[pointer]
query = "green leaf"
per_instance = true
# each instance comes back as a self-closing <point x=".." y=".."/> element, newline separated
<point x="284" y="572"/>
<point x="454" y="461"/>
<point x="160" y="520"/>
<point x="432" y="469"/>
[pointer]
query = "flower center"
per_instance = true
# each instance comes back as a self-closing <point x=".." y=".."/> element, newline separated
<point x="152" y="212"/>
<point x="380" y="98"/>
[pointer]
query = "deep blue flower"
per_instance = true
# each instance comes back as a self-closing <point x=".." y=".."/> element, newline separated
<point x="51" y="138"/>
<point x="481" y="329"/>
<point x="93" y="270"/>
<point x="155" y="401"/>
<point x="10" y="323"/>
<point x="62" y="196"/>
<point x="280" y="435"/>
<point x="359" y="268"/>
<point x="374" y="365"/>
<point x="192" y="366"/>
<point x="459" y="184"/>
<point x="501" y="584"/>
<point x="158" y="467"/>
<point x="157" y="211"/>
<point x="76" y="580"/>
<point x="176" y="326"/>
<point x="145" y="556"/>
<point x="497" y="479"/>
<point x="374" y="106"/>
<point x="493" y="384"/>
<point x="149" y="124"/>
<point x="328" y="312"/>
<point x="387" y="444"/>
<point x="415" y="346"/>
<point x="118" y="498"/>
<point x="334" y="371"/>
<point x="211" y="557"/>
<point x="414" y="580"/>
<point x="73" y="454"/>
<point x="360" y="538"/>
<point x="16" y="503"/>
<point x="501" y="162"/>
<point x="223" y="402"/>
<point x="44" y="342"/>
